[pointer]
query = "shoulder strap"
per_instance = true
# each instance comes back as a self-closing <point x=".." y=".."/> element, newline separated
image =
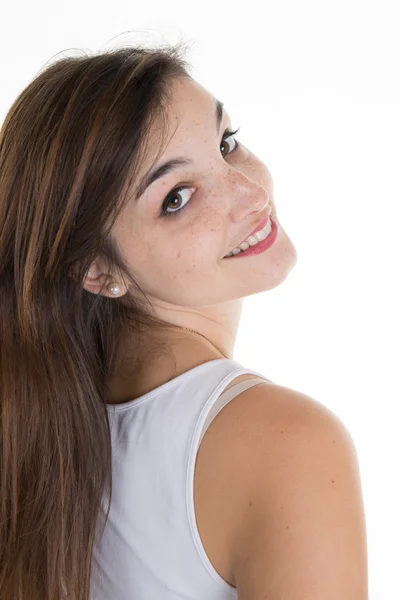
<point x="226" y="396"/>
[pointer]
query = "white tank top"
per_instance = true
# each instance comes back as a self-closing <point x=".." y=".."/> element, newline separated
<point x="151" y="548"/>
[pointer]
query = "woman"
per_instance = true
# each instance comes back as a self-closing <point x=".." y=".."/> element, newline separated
<point x="138" y="459"/>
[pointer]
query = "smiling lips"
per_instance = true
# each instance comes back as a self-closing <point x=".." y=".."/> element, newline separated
<point x="261" y="225"/>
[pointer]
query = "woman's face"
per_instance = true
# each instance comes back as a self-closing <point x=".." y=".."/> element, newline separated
<point x="175" y="243"/>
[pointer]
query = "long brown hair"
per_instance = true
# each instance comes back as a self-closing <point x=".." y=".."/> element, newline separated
<point x="70" y="149"/>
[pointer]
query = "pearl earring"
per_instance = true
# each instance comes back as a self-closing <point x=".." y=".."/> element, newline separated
<point x="114" y="289"/>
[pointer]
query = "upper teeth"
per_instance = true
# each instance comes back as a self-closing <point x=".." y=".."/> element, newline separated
<point x="252" y="240"/>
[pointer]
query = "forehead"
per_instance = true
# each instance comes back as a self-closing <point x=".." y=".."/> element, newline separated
<point x="190" y="104"/>
<point x="191" y="108"/>
<point x="190" y="112"/>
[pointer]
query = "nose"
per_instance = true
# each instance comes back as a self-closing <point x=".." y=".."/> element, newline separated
<point x="246" y="196"/>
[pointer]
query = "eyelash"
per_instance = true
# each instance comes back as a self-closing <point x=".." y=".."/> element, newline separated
<point x="164" y="213"/>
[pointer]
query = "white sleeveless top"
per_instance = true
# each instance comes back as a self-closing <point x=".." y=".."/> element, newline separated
<point x="151" y="548"/>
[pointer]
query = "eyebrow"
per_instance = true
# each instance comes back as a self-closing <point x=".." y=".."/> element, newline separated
<point x="165" y="168"/>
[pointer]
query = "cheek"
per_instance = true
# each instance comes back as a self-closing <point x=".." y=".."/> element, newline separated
<point x="196" y="251"/>
<point x="197" y="247"/>
<point x="188" y="243"/>
<point x="170" y="256"/>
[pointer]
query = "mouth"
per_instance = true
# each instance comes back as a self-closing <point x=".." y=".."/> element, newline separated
<point x="260" y="227"/>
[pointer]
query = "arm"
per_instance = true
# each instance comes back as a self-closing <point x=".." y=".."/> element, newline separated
<point x="301" y="531"/>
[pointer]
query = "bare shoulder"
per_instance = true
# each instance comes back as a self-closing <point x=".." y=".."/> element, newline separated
<point x="298" y="524"/>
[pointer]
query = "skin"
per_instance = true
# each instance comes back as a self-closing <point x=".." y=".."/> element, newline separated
<point x="258" y="461"/>
<point x="178" y="260"/>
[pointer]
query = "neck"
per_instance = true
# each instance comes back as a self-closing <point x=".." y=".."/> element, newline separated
<point x="215" y="326"/>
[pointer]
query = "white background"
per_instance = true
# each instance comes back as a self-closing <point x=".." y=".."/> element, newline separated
<point x="315" y="88"/>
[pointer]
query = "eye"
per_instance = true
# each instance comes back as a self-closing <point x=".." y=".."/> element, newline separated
<point x="227" y="135"/>
<point x="177" y="191"/>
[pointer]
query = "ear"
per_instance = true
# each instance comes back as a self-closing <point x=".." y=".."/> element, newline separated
<point x="96" y="278"/>
<point x="94" y="283"/>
